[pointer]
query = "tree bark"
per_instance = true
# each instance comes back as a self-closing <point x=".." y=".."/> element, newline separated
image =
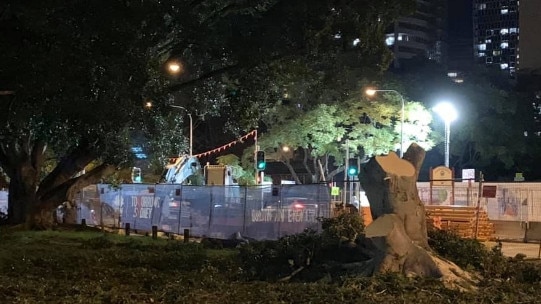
<point x="397" y="238"/>
<point x="33" y="203"/>
<point x="22" y="199"/>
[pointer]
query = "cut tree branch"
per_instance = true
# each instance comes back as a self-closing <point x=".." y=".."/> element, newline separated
<point x="67" y="190"/>
<point x="74" y="162"/>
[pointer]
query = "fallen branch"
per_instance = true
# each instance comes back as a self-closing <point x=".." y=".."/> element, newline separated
<point x="285" y="279"/>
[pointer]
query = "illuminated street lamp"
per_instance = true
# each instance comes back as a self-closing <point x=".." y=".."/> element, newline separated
<point x="175" y="67"/>
<point x="372" y="92"/>
<point x="448" y="113"/>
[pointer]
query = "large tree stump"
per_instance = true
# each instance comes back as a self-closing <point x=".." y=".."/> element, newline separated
<point x="397" y="241"/>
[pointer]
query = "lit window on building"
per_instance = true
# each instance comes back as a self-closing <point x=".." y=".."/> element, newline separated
<point x="504" y="45"/>
<point x="504" y="11"/>
<point x="481" y="54"/>
<point x="338" y="35"/>
<point x="482" y="47"/>
<point x="513" y="30"/>
<point x="504" y="66"/>
<point x="482" y="6"/>
<point x="452" y="74"/>
<point x="403" y="37"/>
<point x="356" y="41"/>
<point x="496" y="53"/>
<point x="488" y="40"/>
<point x="504" y="31"/>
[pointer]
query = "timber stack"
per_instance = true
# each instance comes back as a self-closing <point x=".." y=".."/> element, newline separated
<point x="461" y="219"/>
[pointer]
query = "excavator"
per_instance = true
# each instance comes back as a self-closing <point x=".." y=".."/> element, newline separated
<point x="186" y="170"/>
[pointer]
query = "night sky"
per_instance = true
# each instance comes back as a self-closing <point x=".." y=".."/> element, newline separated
<point x="459" y="34"/>
<point x="460" y="19"/>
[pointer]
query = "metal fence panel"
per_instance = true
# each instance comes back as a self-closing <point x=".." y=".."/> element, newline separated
<point x="260" y="212"/>
<point x="269" y="211"/>
<point x="519" y="202"/>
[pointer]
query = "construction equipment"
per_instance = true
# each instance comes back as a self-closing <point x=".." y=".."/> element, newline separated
<point x="184" y="169"/>
<point x="219" y="175"/>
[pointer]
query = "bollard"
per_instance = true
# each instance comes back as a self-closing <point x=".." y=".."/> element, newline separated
<point x="127" y="229"/>
<point x="154" y="232"/>
<point x="83" y="222"/>
<point x="186" y="235"/>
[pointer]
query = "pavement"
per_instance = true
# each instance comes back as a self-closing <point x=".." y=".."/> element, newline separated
<point x="511" y="249"/>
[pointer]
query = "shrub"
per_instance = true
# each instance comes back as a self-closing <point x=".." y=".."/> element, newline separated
<point x="271" y="260"/>
<point x="307" y="251"/>
<point x="466" y="253"/>
<point x="345" y="227"/>
<point x="490" y="263"/>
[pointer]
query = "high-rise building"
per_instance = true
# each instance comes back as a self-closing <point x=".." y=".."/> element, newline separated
<point x="497" y="27"/>
<point x="496" y="34"/>
<point x="530" y="36"/>
<point x="421" y="34"/>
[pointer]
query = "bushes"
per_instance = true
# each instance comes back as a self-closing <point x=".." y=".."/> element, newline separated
<point x="345" y="227"/>
<point x="466" y="253"/>
<point x="271" y="260"/>
<point x="309" y="252"/>
<point x="490" y="263"/>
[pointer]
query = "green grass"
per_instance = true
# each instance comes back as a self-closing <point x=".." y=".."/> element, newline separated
<point x="92" y="267"/>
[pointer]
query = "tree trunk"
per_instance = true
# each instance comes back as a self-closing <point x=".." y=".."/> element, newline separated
<point x="397" y="239"/>
<point x="22" y="199"/>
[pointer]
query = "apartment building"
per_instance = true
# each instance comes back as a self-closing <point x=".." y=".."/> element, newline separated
<point x="421" y="34"/>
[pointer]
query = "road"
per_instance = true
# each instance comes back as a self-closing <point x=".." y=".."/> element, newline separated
<point x="511" y="249"/>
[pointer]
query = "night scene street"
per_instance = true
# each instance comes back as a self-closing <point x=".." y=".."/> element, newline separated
<point x="270" y="151"/>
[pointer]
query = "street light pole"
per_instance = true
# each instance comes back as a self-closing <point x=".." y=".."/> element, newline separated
<point x="447" y="140"/>
<point x="371" y="92"/>
<point x="191" y="125"/>
<point x="448" y="114"/>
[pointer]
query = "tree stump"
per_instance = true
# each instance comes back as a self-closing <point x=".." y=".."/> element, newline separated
<point x="397" y="240"/>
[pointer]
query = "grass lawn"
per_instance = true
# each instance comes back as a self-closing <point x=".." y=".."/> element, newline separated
<point x="92" y="267"/>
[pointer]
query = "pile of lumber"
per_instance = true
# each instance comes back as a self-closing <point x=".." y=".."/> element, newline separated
<point x="463" y="220"/>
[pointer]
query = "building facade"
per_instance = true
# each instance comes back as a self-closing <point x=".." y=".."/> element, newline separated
<point x="421" y="34"/>
<point x="506" y="34"/>
<point x="530" y="36"/>
<point x="496" y="34"/>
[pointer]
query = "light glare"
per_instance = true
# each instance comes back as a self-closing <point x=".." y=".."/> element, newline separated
<point x="446" y="111"/>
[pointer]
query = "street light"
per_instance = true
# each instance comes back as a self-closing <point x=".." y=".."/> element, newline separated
<point x="448" y="113"/>
<point x="191" y="125"/>
<point x="175" y="67"/>
<point x="372" y="92"/>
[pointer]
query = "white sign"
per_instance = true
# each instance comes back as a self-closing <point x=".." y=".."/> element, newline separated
<point x="468" y="175"/>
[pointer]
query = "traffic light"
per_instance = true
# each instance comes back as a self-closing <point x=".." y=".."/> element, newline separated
<point x="136" y="175"/>
<point x="352" y="169"/>
<point x="260" y="163"/>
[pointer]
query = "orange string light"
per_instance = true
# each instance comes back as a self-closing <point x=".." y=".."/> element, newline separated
<point x="228" y="145"/>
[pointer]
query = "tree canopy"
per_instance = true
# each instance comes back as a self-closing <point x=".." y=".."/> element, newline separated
<point x="364" y="126"/>
<point x="80" y="72"/>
